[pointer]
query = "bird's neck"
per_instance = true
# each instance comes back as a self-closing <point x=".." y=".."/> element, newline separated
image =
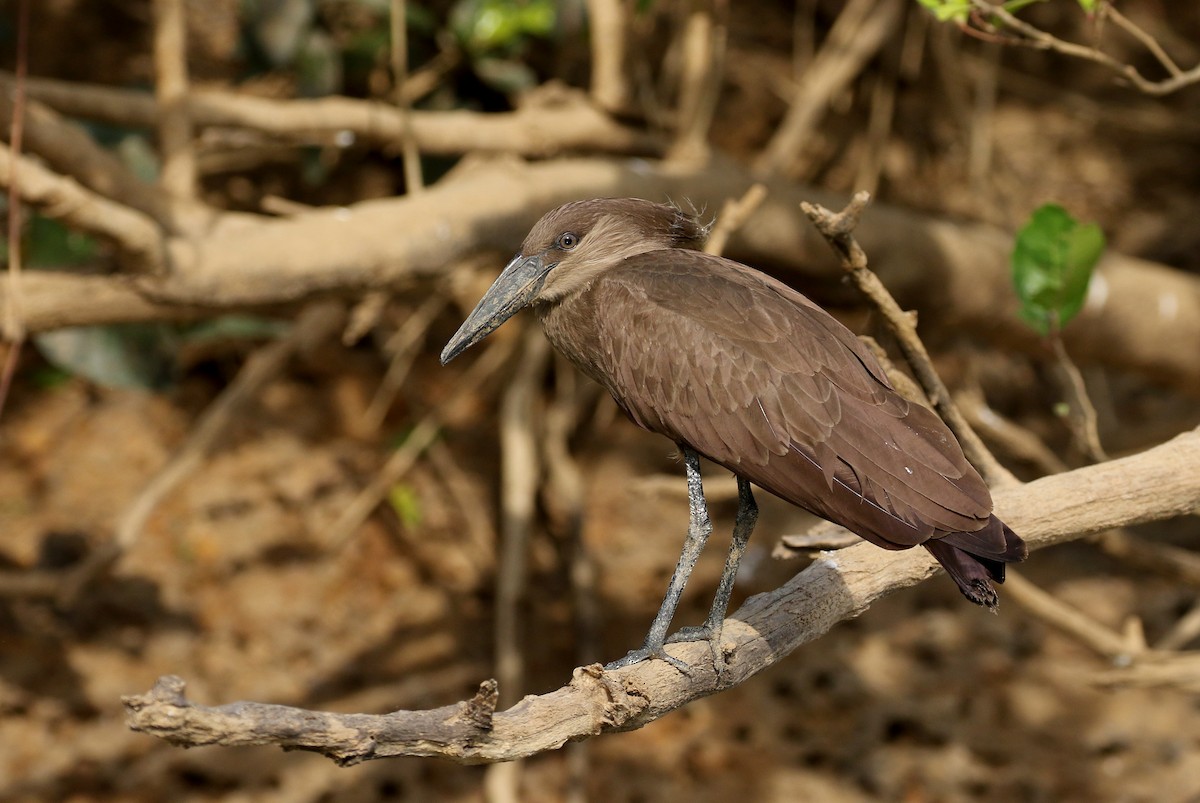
<point x="570" y="326"/>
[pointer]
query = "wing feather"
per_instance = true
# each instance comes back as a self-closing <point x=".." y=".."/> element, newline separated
<point x="775" y="389"/>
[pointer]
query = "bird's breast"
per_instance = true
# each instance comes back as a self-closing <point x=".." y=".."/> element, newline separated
<point x="570" y="326"/>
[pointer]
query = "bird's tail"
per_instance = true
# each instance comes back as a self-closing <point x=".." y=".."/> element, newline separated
<point x="974" y="560"/>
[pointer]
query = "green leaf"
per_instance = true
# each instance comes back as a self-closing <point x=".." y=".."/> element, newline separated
<point x="1052" y="263"/>
<point x="948" y="10"/>
<point x="488" y="27"/>
<point x="404" y="500"/>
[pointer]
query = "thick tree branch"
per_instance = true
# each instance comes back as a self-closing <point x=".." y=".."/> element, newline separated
<point x="957" y="273"/>
<point x="135" y="234"/>
<point x="69" y="150"/>
<point x="1156" y="484"/>
<point x="565" y="122"/>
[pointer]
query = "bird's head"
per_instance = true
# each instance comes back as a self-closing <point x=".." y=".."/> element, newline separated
<point x="569" y="248"/>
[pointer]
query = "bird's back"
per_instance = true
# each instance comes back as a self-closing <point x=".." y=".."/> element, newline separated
<point x="757" y="378"/>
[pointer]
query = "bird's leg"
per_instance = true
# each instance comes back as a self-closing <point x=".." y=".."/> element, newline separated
<point x="699" y="529"/>
<point x="747" y="516"/>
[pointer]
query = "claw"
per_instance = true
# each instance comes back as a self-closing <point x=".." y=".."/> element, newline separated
<point x="647" y="652"/>
<point x="706" y="633"/>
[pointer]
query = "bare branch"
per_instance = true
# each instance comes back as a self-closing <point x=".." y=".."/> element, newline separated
<point x="858" y="33"/>
<point x="1040" y="40"/>
<point x="608" y="35"/>
<point x="139" y="238"/>
<point x="704" y="45"/>
<point x="568" y="123"/>
<point x="925" y="262"/>
<point x="733" y="214"/>
<point x="1155" y="484"/>
<point x="1074" y="623"/>
<point x="414" y="181"/>
<point x="69" y="150"/>
<point x="178" y="175"/>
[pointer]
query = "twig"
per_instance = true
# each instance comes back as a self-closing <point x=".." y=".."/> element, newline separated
<point x="472" y="505"/>
<point x="314" y="325"/>
<point x="171" y="90"/>
<point x="1186" y="630"/>
<point x="433" y="72"/>
<point x="1082" y="411"/>
<point x="563" y="499"/>
<point x="140" y="240"/>
<point x="1109" y="10"/>
<point x="823" y="535"/>
<point x="837" y="230"/>
<point x="403" y="348"/>
<point x="980" y="150"/>
<point x="1047" y="608"/>
<point x="1170" y="561"/>
<point x="883" y="104"/>
<point x="364" y="316"/>
<point x="733" y="214"/>
<point x="1173" y="671"/>
<point x="423" y="434"/>
<point x="1154" y="484"/>
<point x="859" y="31"/>
<point x="1014" y="438"/>
<point x="608" y="35"/>
<point x="413" y="180"/>
<point x="1040" y="40"/>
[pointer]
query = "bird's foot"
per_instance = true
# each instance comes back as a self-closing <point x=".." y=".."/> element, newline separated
<point x="712" y="634"/>
<point x="647" y="652"/>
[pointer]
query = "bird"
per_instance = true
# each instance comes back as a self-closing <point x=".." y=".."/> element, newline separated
<point x="734" y="365"/>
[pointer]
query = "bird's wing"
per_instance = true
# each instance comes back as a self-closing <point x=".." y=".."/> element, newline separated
<point x="756" y="377"/>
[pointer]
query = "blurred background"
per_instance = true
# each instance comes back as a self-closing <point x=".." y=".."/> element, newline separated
<point x="228" y="451"/>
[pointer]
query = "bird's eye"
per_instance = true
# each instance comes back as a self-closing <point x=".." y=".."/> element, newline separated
<point x="568" y="240"/>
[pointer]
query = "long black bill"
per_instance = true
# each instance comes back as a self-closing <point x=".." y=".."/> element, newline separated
<point x="513" y="289"/>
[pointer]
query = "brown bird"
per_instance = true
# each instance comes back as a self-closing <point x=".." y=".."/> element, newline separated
<point x="738" y="367"/>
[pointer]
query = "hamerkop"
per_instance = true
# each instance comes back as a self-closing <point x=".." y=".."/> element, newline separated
<point x="740" y="368"/>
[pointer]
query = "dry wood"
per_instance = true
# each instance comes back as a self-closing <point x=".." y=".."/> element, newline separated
<point x="958" y="273"/>
<point x="568" y="123"/>
<point x="68" y="149"/>
<point x="704" y="43"/>
<point x="860" y="30"/>
<point x="414" y="181"/>
<point x="1040" y="40"/>
<point x="1075" y="623"/>
<point x="178" y="175"/>
<point x="520" y="473"/>
<point x="1015" y="439"/>
<point x="608" y="36"/>
<point x="137" y="236"/>
<point x="1158" y="483"/>
<point x="733" y="214"/>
